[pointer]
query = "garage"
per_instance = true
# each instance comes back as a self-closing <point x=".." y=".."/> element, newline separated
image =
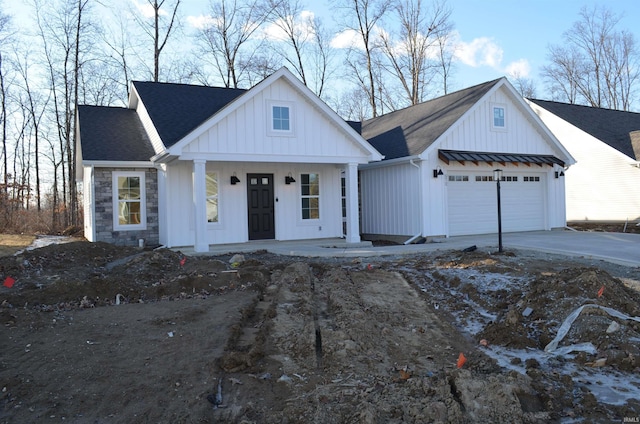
<point x="472" y="202"/>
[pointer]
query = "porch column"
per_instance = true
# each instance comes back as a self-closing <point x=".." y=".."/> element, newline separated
<point x="351" y="186"/>
<point x="200" y="205"/>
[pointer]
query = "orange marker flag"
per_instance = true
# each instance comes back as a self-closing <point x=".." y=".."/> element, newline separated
<point x="600" y="291"/>
<point x="461" y="360"/>
<point x="183" y="260"/>
<point x="8" y="282"/>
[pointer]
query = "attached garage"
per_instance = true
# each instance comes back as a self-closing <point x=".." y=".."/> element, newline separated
<point x="437" y="176"/>
<point x="472" y="202"/>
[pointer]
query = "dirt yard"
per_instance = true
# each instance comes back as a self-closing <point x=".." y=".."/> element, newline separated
<point x="93" y="333"/>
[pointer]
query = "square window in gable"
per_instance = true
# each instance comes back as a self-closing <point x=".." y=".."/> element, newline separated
<point x="280" y="118"/>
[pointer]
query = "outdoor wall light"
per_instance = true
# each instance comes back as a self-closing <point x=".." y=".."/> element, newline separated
<point x="289" y="179"/>
<point x="559" y="174"/>
<point x="437" y="173"/>
<point x="234" y="180"/>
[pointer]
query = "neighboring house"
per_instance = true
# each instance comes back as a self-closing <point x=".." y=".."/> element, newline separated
<point x="604" y="185"/>
<point x="188" y="165"/>
<point x="437" y="176"/>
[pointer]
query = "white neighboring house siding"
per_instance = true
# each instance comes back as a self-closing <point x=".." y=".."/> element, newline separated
<point x="239" y="143"/>
<point x="604" y="184"/>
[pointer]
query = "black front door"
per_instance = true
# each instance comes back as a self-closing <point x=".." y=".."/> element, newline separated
<point x="260" y="201"/>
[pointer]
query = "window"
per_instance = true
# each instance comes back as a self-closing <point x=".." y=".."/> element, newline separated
<point x="211" y="183"/>
<point x="129" y="201"/>
<point x="499" y="120"/>
<point x="280" y="118"/>
<point x="458" y="178"/>
<point x="484" y="178"/>
<point x="310" y="196"/>
<point x="531" y="179"/>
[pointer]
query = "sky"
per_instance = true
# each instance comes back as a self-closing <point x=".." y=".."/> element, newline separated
<point x="497" y="37"/>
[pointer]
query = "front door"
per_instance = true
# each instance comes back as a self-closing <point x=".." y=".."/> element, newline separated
<point x="260" y="201"/>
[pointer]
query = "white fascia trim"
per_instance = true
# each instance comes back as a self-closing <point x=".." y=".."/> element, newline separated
<point x="390" y="162"/>
<point x="235" y="157"/>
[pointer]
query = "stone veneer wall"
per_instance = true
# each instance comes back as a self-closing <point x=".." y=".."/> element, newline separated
<point x="104" y="209"/>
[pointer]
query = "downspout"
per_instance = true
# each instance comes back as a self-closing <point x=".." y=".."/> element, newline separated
<point x="414" y="238"/>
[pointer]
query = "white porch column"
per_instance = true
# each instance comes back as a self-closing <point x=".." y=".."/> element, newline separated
<point x="351" y="186"/>
<point x="200" y="205"/>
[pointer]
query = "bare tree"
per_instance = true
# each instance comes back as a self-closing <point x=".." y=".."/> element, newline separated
<point x="4" y="35"/>
<point x="224" y="39"/>
<point x="301" y="41"/>
<point x="159" y="30"/>
<point x="364" y="17"/>
<point x="597" y="64"/>
<point x="412" y="56"/>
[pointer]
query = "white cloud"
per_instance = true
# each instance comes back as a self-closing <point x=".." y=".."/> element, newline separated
<point x="201" y="21"/>
<point x="518" y="69"/>
<point x="347" y="39"/>
<point x="146" y="9"/>
<point x="481" y="51"/>
<point x="302" y="25"/>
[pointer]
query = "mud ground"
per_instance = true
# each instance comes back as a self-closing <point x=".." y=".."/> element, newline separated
<point x="93" y="333"/>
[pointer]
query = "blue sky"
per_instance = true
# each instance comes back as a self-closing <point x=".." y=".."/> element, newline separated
<point x="497" y="36"/>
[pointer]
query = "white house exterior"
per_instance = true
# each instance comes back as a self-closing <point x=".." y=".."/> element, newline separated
<point x="437" y="176"/>
<point x="604" y="184"/>
<point x="267" y="164"/>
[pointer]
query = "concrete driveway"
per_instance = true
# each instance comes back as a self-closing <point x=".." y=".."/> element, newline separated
<point x="620" y="248"/>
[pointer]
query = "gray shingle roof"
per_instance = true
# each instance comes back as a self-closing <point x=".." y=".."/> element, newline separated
<point x="112" y="134"/>
<point x="409" y="131"/>
<point x="607" y="125"/>
<point x="177" y="109"/>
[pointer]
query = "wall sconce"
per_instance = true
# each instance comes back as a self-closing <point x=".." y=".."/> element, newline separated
<point x="437" y="173"/>
<point x="234" y="180"/>
<point x="289" y="179"/>
<point x="559" y="174"/>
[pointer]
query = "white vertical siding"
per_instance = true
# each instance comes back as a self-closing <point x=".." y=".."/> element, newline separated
<point x="390" y="200"/>
<point x="245" y="131"/>
<point x="476" y="132"/>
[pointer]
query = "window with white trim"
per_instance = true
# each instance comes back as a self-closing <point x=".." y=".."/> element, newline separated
<point x="280" y="118"/>
<point x="129" y="201"/>
<point x="310" y="195"/>
<point x="211" y="184"/>
<point x="498" y="116"/>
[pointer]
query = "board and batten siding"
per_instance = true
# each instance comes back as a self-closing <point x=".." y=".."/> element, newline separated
<point x="232" y="226"/>
<point x="604" y="184"/>
<point x="474" y="132"/>
<point x="390" y="200"/>
<point x="245" y="131"/>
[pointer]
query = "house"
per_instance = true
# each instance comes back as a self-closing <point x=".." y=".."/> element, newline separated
<point x="437" y="175"/>
<point x="186" y="165"/>
<point x="604" y="184"/>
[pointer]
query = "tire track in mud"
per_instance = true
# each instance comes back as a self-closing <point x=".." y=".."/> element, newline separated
<point x="335" y="344"/>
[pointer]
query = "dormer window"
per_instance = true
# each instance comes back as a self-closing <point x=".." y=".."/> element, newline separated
<point x="280" y="118"/>
<point x="499" y="119"/>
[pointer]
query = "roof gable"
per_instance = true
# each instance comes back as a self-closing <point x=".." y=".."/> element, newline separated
<point x="177" y="109"/>
<point x="613" y="127"/>
<point x="283" y="74"/>
<point x="410" y="131"/>
<point x="112" y="134"/>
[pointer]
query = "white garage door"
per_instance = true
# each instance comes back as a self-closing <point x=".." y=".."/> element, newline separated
<point x="472" y="202"/>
